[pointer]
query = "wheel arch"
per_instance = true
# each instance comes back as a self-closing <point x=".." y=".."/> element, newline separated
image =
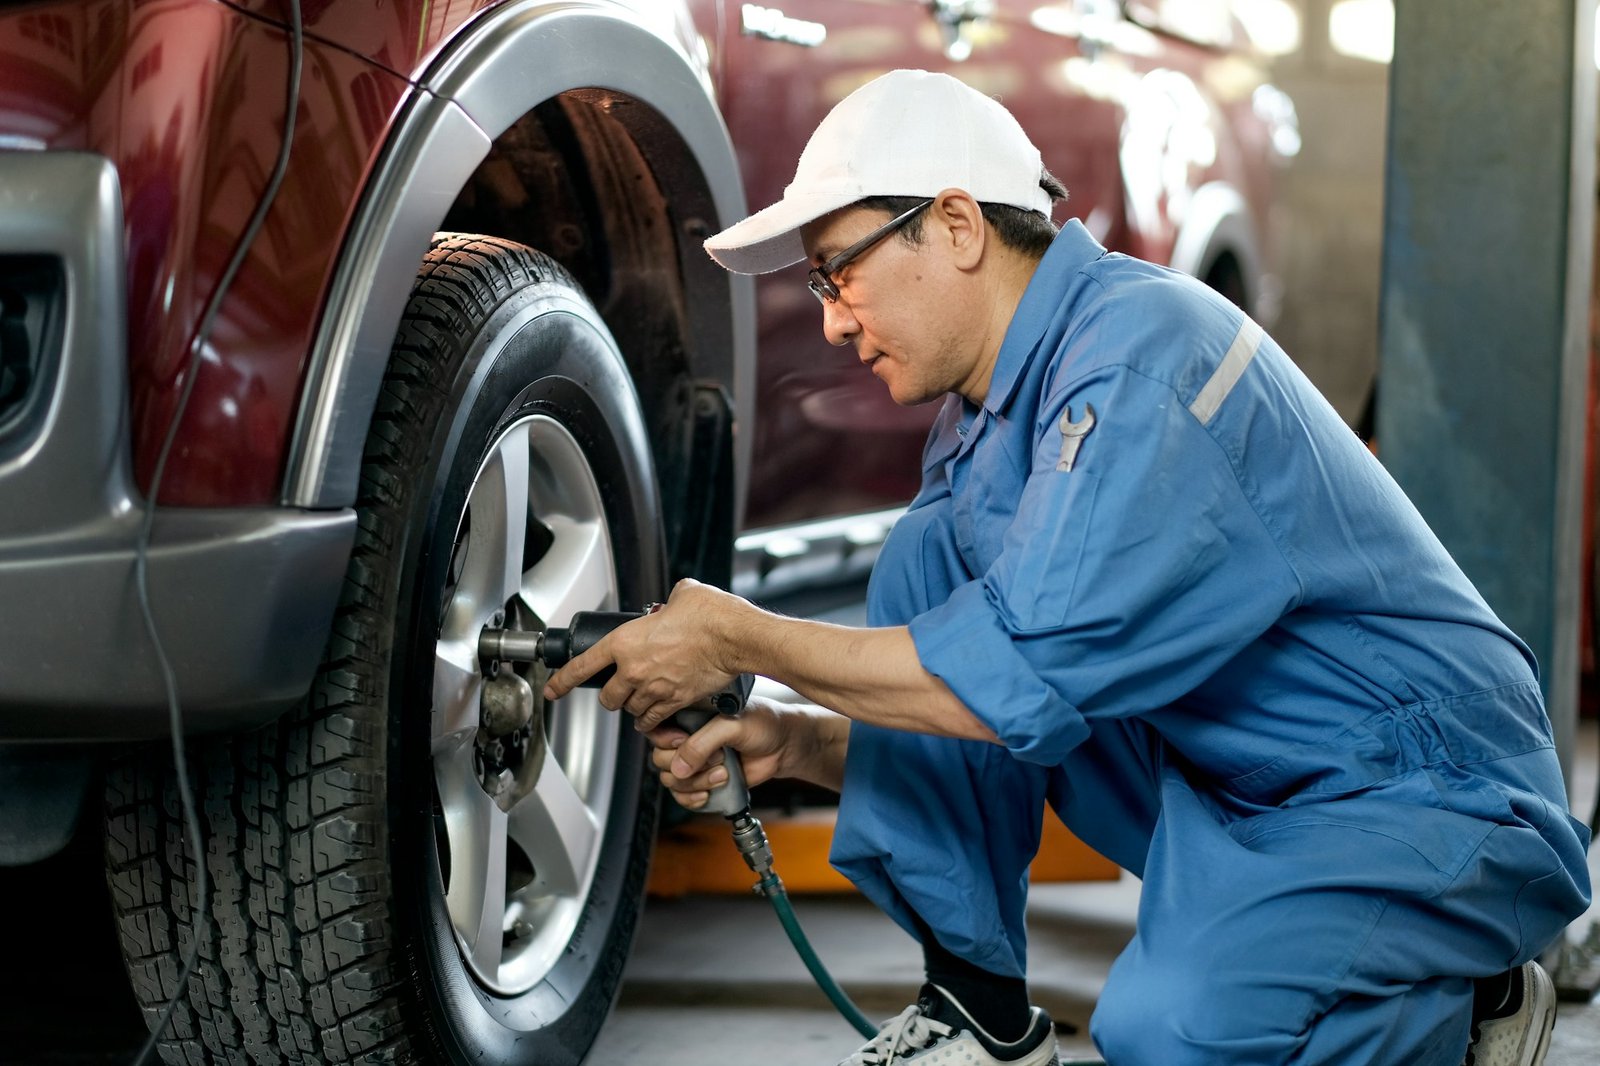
<point x="617" y="124"/>
<point x="1217" y="226"/>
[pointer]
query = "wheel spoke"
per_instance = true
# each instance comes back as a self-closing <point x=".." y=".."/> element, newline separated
<point x="574" y="575"/>
<point x="499" y="524"/>
<point x="457" y="686"/>
<point x="557" y="830"/>
<point x="476" y="828"/>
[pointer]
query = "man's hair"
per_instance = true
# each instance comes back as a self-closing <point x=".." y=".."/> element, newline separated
<point x="1022" y="230"/>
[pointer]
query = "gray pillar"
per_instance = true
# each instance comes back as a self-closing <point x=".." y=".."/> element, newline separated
<point x="1483" y="327"/>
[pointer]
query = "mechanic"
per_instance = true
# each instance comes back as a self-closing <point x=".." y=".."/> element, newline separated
<point x="1152" y="580"/>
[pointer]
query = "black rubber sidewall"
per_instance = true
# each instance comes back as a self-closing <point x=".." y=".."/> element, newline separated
<point x="560" y="365"/>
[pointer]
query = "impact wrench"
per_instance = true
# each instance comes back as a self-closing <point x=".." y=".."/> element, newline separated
<point x="555" y="647"/>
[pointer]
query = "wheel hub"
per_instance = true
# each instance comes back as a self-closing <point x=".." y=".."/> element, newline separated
<point x="510" y="747"/>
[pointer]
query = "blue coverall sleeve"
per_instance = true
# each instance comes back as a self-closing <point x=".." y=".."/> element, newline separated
<point x="1121" y="585"/>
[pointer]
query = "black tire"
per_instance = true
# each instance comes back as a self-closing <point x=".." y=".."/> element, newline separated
<point x="329" y="839"/>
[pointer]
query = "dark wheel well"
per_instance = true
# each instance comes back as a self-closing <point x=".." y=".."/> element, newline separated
<point x="579" y="179"/>
<point x="1227" y="277"/>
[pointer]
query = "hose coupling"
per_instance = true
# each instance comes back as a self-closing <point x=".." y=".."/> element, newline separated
<point x="751" y="841"/>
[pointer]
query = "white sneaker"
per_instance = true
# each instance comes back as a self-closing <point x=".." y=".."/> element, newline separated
<point x="936" y="1030"/>
<point x="1517" y="1033"/>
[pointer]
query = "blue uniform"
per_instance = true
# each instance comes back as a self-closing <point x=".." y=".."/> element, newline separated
<point x="1221" y="643"/>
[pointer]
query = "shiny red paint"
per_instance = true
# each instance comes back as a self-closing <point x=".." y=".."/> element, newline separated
<point x="186" y="97"/>
<point x="401" y="36"/>
<point x="1121" y="114"/>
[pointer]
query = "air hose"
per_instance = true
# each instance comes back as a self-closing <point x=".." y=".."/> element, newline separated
<point x="751" y="841"/>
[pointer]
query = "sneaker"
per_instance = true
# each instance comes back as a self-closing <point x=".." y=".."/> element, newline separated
<point x="936" y="1030"/>
<point x="1517" y="1032"/>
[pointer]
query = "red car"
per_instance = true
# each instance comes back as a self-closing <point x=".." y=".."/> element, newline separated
<point x="392" y="319"/>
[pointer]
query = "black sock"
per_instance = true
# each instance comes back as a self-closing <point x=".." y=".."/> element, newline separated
<point x="999" y="1004"/>
<point x="1492" y="995"/>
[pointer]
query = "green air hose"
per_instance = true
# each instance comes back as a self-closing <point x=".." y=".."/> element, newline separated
<point x="751" y="841"/>
<point x="772" y="888"/>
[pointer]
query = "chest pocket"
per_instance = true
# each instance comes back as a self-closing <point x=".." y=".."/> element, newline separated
<point x="1038" y="576"/>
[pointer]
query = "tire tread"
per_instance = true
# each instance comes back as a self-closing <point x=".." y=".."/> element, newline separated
<point x="298" y="960"/>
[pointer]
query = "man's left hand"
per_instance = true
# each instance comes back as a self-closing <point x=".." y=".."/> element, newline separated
<point x="666" y="660"/>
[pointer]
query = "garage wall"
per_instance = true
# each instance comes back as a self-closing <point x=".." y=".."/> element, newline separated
<point x="1332" y="200"/>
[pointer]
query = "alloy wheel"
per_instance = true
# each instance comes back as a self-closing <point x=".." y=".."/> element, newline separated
<point x="521" y="815"/>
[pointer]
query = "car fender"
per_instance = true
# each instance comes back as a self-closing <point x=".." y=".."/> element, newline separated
<point x="1217" y="222"/>
<point x="491" y="74"/>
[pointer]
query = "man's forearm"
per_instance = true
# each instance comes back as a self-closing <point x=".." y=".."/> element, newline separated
<point x="821" y="742"/>
<point x="869" y="675"/>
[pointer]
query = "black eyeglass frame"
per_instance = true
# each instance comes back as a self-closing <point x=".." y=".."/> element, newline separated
<point x="820" y="282"/>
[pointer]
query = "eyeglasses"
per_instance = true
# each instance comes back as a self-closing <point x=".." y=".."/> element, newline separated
<point x="820" y="278"/>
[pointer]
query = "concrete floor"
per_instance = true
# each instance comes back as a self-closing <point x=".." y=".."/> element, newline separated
<point x="715" y="979"/>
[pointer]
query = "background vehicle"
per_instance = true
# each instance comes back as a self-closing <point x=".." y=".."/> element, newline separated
<point x="473" y="371"/>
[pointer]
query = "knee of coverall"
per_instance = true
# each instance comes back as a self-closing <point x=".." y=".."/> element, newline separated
<point x="943" y="829"/>
<point x="1154" y="1010"/>
<point x="917" y="568"/>
<point x="1200" y="1019"/>
<point x="1423" y="1025"/>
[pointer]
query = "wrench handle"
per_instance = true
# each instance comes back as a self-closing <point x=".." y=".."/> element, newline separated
<point x="732" y="797"/>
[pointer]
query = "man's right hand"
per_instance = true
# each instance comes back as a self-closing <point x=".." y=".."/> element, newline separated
<point x="772" y="739"/>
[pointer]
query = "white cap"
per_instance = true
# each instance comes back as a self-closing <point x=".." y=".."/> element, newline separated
<point x="907" y="133"/>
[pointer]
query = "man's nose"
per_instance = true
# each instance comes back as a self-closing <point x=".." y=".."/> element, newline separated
<point x="838" y="324"/>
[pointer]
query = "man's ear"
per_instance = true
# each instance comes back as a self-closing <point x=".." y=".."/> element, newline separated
<point x="960" y="225"/>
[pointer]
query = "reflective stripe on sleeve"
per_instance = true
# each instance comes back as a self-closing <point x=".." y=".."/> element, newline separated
<point x="1228" y="372"/>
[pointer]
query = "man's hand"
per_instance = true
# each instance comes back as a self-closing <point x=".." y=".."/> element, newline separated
<point x="772" y="739"/>
<point x="666" y="660"/>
